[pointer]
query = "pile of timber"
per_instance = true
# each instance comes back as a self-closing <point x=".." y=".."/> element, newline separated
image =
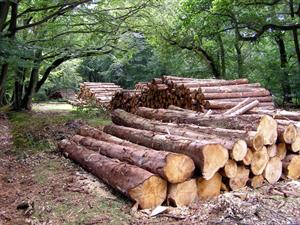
<point x="225" y="94"/>
<point x="158" y="95"/>
<point x="178" y="155"/>
<point x="97" y="93"/>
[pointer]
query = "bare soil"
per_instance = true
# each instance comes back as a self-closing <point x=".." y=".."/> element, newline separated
<point x="53" y="190"/>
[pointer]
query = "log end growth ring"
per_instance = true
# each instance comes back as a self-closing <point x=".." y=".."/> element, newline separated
<point x="150" y="193"/>
<point x="215" y="157"/>
<point x="178" y="168"/>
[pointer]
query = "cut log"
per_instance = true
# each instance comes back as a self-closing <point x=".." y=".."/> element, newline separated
<point x="221" y="104"/>
<point x="232" y="88"/>
<point x="173" y="167"/>
<point x="241" y="178"/>
<point x="295" y="146"/>
<point x="244" y="122"/>
<point x="239" y="150"/>
<point x="209" y="188"/>
<point x="230" y="168"/>
<point x="233" y="111"/>
<point x="281" y="150"/>
<point x="291" y="165"/>
<point x="273" y="170"/>
<point x="238" y="146"/>
<point x="268" y="129"/>
<point x="182" y="194"/>
<point x="248" y="158"/>
<point x="259" y="161"/>
<point x="257" y="181"/>
<point x="208" y="156"/>
<point x="259" y="93"/>
<point x="272" y="150"/>
<point x="140" y="185"/>
<point x="289" y="134"/>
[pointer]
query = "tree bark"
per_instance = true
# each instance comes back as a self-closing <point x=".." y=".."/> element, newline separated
<point x="4" y="9"/>
<point x="30" y="90"/>
<point x="207" y="156"/>
<point x="244" y="122"/>
<point x="222" y="56"/>
<point x="258" y="93"/>
<point x="140" y="185"/>
<point x="18" y="89"/>
<point x="175" y="168"/>
<point x="120" y="117"/>
<point x="285" y="83"/>
<point x="3" y="78"/>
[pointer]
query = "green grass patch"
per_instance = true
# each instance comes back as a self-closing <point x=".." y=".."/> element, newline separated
<point x="38" y="131"/>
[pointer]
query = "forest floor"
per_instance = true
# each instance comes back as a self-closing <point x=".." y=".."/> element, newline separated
<point x="51" y="189"/>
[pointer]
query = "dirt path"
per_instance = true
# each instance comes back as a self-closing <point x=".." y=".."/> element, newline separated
<point x="53" y="190"/>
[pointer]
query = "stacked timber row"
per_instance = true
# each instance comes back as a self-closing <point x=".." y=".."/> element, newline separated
<point x="225" y="94"/>
<point x="98" y="93"/>
<point x="158" y="95"/>
<point x="151" y="156"/>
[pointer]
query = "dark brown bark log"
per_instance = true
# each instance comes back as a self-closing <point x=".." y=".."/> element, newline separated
<point x="175" y="168"/>
<point x="207" y="155"/>
<point x="140" y="185"/>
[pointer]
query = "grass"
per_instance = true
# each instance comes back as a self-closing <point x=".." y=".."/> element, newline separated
<point x="39" y="130"/>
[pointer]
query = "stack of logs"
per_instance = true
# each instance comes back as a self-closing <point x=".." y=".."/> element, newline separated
<point x="178" y="155"/>
<point x="97" y="93"/>
<point x="193" y="94"/>
<point x="158" y="95"/>
<point x="225" y="94"/>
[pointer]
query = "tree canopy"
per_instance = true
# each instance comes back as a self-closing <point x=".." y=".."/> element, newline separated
<point x="43" y="42"/>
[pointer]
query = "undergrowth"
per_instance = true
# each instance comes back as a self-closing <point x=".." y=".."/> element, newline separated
<point x="39" y="131"/>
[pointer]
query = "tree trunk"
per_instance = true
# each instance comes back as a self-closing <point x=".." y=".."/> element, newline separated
<point x="222" y="56"/>
<point x="140" y="185"/>
<point x="30" y="90"/>
<point x="3" y="78"/>
<point x="4" y="9"/>
<point x="182" y="194"/>
<point x="175" y="168"/>
<point x="18" y="90"/>
<point x="207" y="156"/>
<point x="285" y="83"/>
<point x="47" y="72"/>
<point x="295" y="33"/>
<point x="257" y="93"/>
<point x="239" y="58"/>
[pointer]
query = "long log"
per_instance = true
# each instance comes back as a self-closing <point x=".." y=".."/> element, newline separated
<point x="242" y="109"/>
<point x="145" y="188"/>
<point x="237" y="146"/>
<point x="232" y="88"/>
<point x="182" y="194"/>
<point x="244" y="122"/>
<point x="259" y="93"/>
<point x="173" y="167"/>
<point x="207" y="155"/>
<point x="209" y="83"/>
